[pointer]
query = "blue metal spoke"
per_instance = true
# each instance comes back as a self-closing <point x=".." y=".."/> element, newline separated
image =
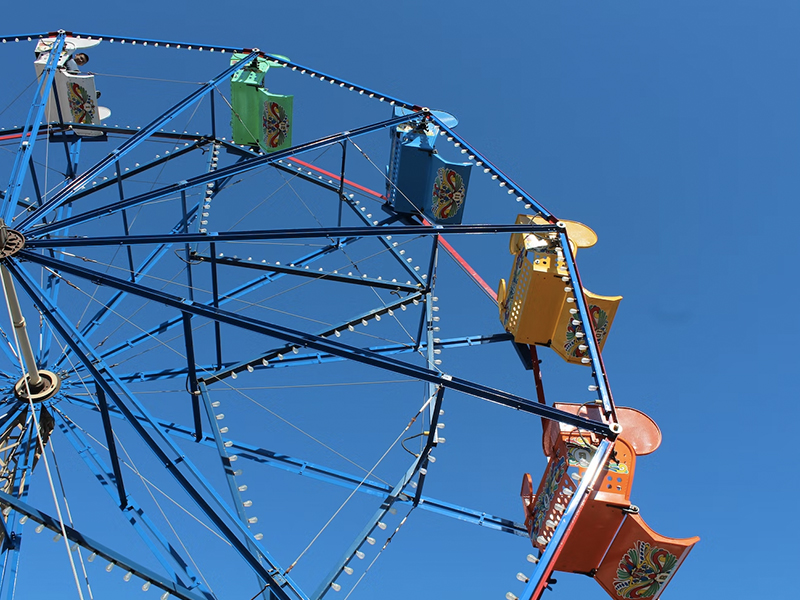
<point x="302" y="339"/>
<point x="145" y="267"/>
<point x="140" y="136"/>
<point x="174" y="189"/>
<point x="28" y="136"/>
<point x="282" y="234"/>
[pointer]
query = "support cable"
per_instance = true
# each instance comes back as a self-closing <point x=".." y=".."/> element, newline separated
<point x="375" y="466"/>
<point x="26" y="380"/>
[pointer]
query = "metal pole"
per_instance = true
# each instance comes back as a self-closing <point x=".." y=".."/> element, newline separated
<point x="18" y="321"/>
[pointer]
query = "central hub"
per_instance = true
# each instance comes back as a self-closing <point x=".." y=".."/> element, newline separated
<point x="11" y="241"/>
<point x="48" y="387"/>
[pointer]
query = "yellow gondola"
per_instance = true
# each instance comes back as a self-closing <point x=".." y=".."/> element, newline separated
<point x="538" y="305"/>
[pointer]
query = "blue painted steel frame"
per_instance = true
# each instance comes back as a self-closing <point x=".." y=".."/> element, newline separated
<point x="28" y="137"/>
<point x="171" y="456"/>
<point x="230" y="171"/>
<point x="278" y="234"/>
<point x="140" y="136"/>
<point x="302" y="339"/>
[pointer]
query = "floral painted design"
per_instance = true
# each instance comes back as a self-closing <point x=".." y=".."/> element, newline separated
<point x="555" y="472"/>
<point x="601" y="323"/>
<point x="448" y="193"/>
<point x="276" y="124"/>
<point x="643" y="570"/>
<point x="81" y="104"/>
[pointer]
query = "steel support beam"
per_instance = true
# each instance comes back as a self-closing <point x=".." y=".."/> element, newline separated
<point x="302" y="339"/>
<point x="140" y="136"/>
<point x="175" y="189"/>
<point x="280" y="234"/>
<point x="28" y="135"/>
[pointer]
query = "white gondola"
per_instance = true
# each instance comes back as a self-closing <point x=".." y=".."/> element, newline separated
<point x="75" y="100"/>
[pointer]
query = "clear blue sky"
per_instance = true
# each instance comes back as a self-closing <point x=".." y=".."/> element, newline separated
<point x="670" y="128"/>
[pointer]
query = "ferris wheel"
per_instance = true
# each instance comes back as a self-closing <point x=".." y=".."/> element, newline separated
<point x="238" y="316"/>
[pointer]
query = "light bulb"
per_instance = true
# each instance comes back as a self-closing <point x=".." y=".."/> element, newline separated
<point x="381" y="525"/>
<point x="109" y="567"/>
<point x="371" y="541"/>
<point x="532" y="559"/>
<point x="510" y="596"/>
<point x="22" y="519"/>
<point x="360" y="554"/>
<point x="522" y="577"/>
<point x="127" y="576"/>
<point x="335" y="587"/>
<point x="145" y="586"/>
<point x="348" y="570"/>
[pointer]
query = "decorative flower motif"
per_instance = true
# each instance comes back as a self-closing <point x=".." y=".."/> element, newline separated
<point x="448" y="193"/>
<point x="555" y="472"/>
<point x="600" y="321"/>
<point x="81" y="104"/>
<point x="643" y="570"/>
<point x="276" y="124"/>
